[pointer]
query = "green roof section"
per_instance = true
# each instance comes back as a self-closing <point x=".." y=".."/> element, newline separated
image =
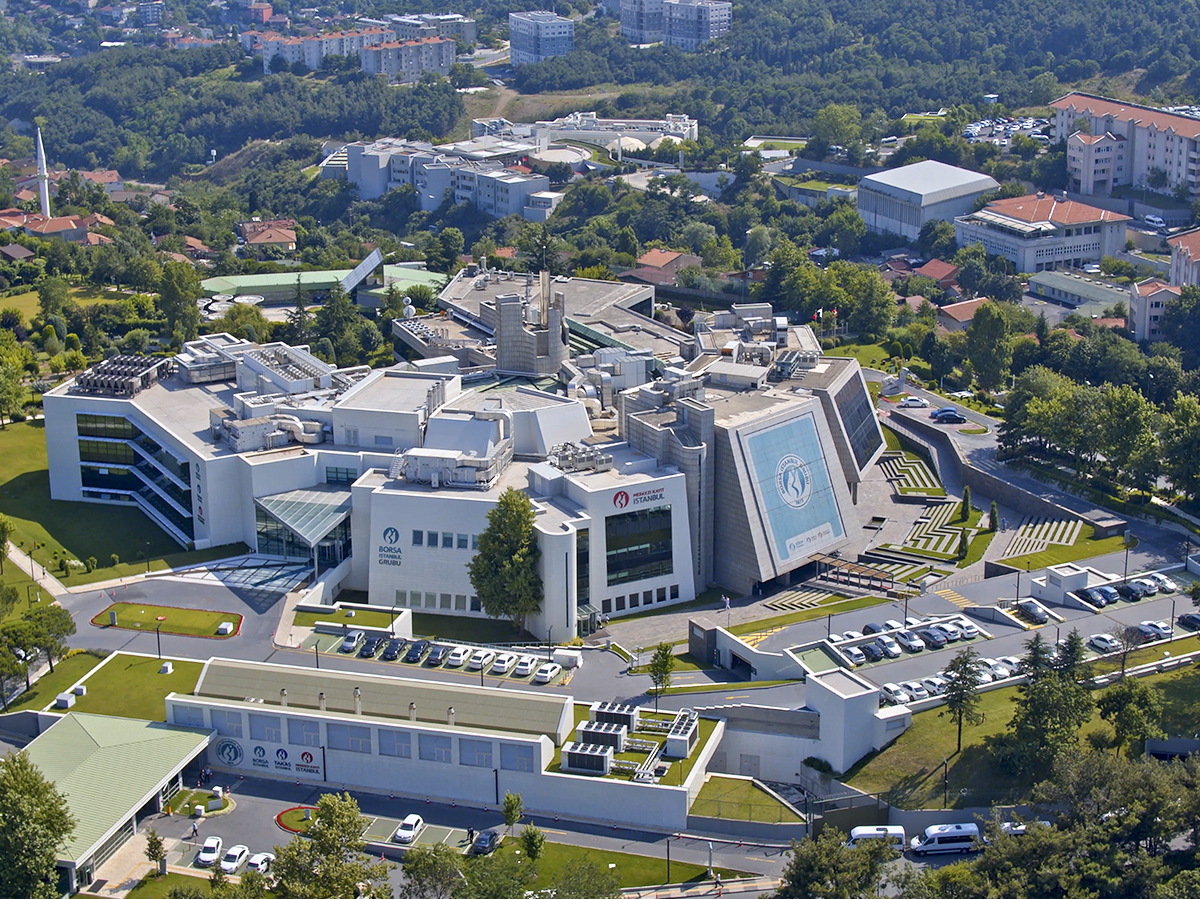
<point x="239" y="285"/>
<point x="108" y="768"/>
<point x="403" y="277"/>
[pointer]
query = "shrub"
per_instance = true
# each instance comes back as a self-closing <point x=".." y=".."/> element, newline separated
<point x="114" y="560"/>
<point x="818" y="764"/>
<point x="90" y="564"/>
<point x="16" y="416"/>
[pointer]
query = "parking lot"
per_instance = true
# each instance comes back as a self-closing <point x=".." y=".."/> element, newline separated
<point x="381" y="829"/>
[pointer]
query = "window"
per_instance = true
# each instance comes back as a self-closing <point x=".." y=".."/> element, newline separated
<point x="265" y="728"/>
<point x="638" y="545"/>
<point x="633" y="600"/>
<point x="340" y="475"/>
<point x="447" y="540"/>
<point x="606" y="606"/>
<point x="302" y="732"/>
<point x="227" y="724"/>
<point x="381" y="440"/>
<point x="431" y="600"/>
<point x="349" y="737"/>
<point x="434" y="748"/>
<point x="432" y="539"/>
<point x="462" y="541"/>
<point x="516" y="757"/>
<point x="460" y="602"/>
<point x="662" y="595"/>
<point x="474" y="541"/>
<point x="401" y="598"/>
<point x="647" y="596"/>
<point x="418" y="538"/>
<point x="475" y="606"/>
<point x="674" y="591"/>
<point x="396" y="743"/>
<point x="477" y="753"/>
<point x="620" y="603"/>
<point x="189" y="716"/>
<point x="583" y="557"/>
<point x="445" y="600"/>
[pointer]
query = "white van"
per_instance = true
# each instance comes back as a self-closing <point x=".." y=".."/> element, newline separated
<point x="893" y="836"/>
<point x="946" y="838"/>
<point x="1155" y="221"/>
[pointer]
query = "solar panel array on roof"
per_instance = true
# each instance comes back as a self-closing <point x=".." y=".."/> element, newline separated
<point x="602" y="734"/>
<point x="615" y="713"/>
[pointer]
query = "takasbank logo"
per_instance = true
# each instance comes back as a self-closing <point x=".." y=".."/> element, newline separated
<point x="391" y="535"/>
<point x="620" y="499"/>
<point x="793" y="480"/>
<point x="229" y="752"/>
<point x="281" y="754"/>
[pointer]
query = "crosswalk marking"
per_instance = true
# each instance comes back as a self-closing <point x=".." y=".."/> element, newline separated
<point x="955" y="597"/>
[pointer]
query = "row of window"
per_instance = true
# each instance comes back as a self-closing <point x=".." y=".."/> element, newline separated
<point x="647" y="597"/>
<point x="334" y="475"/>
<point x="417" y="599"/>
<point x="448" y="540"/>
<point x="431" y="747"/>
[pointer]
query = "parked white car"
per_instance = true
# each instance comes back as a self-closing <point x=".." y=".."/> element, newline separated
<point x="852" y="635"/>
<point x="261" y="862"/>
<point x="209" y="852"/>
<point x="913" y="402"/>
<point x="234" y="858"/>
<point x="458" y="656"/>
<point x="504" y="663"/>
<point x="480" y="659"/>
<point x="894" y="694"/>
<point x="951" y="632"/>
<point x="910" y="641"/>
<point x="969" y="631"/>
<point x="935" y="686"/>
<point x="1012" y="663"/>
<point x="855" y="655"/>
<point x="1158" y="627"/>
<point x="915" y="689"/>
<point x="1164" y="583"/>
<point x="547" y="673"/>
<point x="998" y="669"/>
<point x="893" y="625"/>
<point x="409" y="829"/>
<point x="1103" y="643"/>
<point x="526" y="666"/>
<point x="985" y="673"/>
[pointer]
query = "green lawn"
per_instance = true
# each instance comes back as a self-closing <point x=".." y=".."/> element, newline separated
<point x="891" y="440"/>
<point x="972" y="431"/>
<point x="364" y="617"/>
<point x="27" y="303"/>
<point x="719" y="687"/>
<point x="184" y="622"/>
<point x="47" y="687"/>
<point x="763" y="624"/>
<point x="79" y="530"/>
<point x="740" y="800"/>
<point x="977" y="547"/>
<point x="131" y="687"/>
<point x="680" y="770"/>
<point x="1085" y="547"/>
<point x="294" y="818"/>
<point x="633" y="870"/>
<point x="153" y="887"/>
<point x="191" y="797"/>
<point x="469" y="630"/>
<point x="1178" y="647"/>
<point x="875" y="355"/>
<point x="26" y="598"/>
<point x="911" y="767"/>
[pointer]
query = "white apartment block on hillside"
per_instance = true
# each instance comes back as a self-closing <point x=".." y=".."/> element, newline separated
<point x="312" y="50"/>
<point x="406" y="61"/>
<point x="1123" y="143"/>
<point x="690" y="24"/>
<point x="452" y="25"/>
<point x="1185" y="259"/>
<point x="642" y="21"/>
<point x="536" y="36"/>
<point x="1147" y="302"/>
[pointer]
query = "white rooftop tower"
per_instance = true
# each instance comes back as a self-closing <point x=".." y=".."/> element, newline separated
<point x="43" y="178"/>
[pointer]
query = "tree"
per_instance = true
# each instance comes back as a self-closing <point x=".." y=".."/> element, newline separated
<point x="35" y="823"/>
<point x="1181" y="445"/>
<point x="431" y="872"/>
<point x="178" y="295"/>
<point x="155" y="850"/>
<point x="218" y="883"/>
<point x="988" y="346"/>
<point x="838" y="124"/>
<point x="1134" y="710"/>
<point x="514" y="809"/>
<point x="52" y="296"/>
<point x="495" y="876"/>
<point x="336" y="315"/>
<point x="581" y="878"/>
<point x="533" y="842"/>
<point x="964" y="511"/>
<point x="504" y="572"/>
<point x="962" y="691"/>
<point x="539" y="242"/>
<point x="21" y="639"/>
<point x="52" y="624"/>
<point x="661" y="665"/>
<point x="335" y="849"/>
<point x="298" y="317"/>
<point x="12" y="670"/>
<point x="1050" y="710"/>
<point x="964" y="545"/>
<point x="7" y="529"/>
<point x="1128" y="638"/>
<point x="994" y="517"/>
<point x="936" y="239"/>
<point x="12" y="390"/>
<point x="826" y="868"/>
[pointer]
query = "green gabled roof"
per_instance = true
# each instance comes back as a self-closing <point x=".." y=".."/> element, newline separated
<point x="108" y="767"/>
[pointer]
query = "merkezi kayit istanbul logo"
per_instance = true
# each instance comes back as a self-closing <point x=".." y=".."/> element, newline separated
<point x="793" y="480"/>
<point x="389" y="552"/>
<point x="229" y="753"/>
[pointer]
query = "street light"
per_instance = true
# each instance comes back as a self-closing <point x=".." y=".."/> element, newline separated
<point x="392" y="624"/>
<point x="29" y="597"/>
<point x="158" y="635"/>
<point x="147" y="557"/>
<point x="317" y="655"/>
<point x="549" y="645"/>
<point x="945" y="782"/>
<point x="1125" y="579"/>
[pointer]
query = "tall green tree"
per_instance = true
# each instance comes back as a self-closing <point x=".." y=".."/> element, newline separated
<point x="35" y="823"/>
<point x="1181" y="445"/>
<point x="336" y="315"/>
<point x="334" y="851"/>
<point x="178" y="295"/>
<point x="826" y="868"/>
<point x="12" y="388"/>
<point x="499" y="875"/>
<point x="12" y="671"/>
<point x="52" y="625"/>
<point x="298" y="317"/>
<point x="52" y="297"/>
<point x="7" y="529"/>
<point x="504" y="572"/>
<point x="514" y="809"/>
<point x="988" y="346"/>
<point x="1134" y="710"/>
<point x="962" y="691"/>
<point x="662" y="663"/>
<point x="533" y="842"/>
<point x="582" y="878"/>
<point x="431" y="872"/>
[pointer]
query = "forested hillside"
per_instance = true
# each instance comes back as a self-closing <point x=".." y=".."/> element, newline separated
<point x="785" y="59"/>
<point x="147" y="113"/>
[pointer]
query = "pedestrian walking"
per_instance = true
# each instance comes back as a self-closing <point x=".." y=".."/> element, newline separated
<point x="195" y="829"/>
<point x="470" y="834"/>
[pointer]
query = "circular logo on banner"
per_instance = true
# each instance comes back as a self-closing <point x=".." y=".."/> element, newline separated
<point x="306" y="757"/>
<point x="281" y="754"/>
<point x="229" y="752"/>
<point x="620" y="499"/>
<point x="793" y="480"/>
<point x="259" y="752"/>
<point x="391" y="535"/>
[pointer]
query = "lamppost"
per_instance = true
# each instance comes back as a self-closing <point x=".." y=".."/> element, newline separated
<point x="147" y="557"/>
<point x="392" y="624"/>
<point x="1125" y="579"/>
<point x="317" y="655"/>
<point x="945" y="782"/>
<point x="29" y="596"/>
<point x="549" y="645"/>
<point x="158" y="634"/>
<point x="1172" y="619"/>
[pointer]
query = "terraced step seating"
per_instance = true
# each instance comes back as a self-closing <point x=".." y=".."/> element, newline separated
<point x="936" y="531"/>
<point x="906" y="573"/>
<point x="1036" y="534"/>
<point x="909" y="475"/>
<point x="795" y="600"/>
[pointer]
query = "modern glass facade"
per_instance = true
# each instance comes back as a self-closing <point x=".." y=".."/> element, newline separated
<point x="274" y="538"/>
<point x="638" y="545"/>
<point x="583" y="576"/>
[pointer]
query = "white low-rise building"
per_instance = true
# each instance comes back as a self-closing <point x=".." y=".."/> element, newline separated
<point x="1043" y="231"/>
<point x="1147" y="303"/>
<point x="900" y="201"/>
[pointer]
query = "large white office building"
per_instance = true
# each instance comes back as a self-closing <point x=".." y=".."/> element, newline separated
<point x="690" y="24"/>
<point x="900" y="201"/>
<point x="537" y="36"/>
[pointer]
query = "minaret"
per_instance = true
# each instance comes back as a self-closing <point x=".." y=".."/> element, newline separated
<point x="43" y="178"/>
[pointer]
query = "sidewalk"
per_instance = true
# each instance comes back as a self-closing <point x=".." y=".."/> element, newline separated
<point x="48" y="582"/>
<point x="702" y="888"/>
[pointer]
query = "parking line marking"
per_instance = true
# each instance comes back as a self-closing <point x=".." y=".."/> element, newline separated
<point x="742" y="696"/>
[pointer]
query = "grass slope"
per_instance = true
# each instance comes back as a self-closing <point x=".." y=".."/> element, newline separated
<point x="740" y="800"/>
<point x="633" y="870"/>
